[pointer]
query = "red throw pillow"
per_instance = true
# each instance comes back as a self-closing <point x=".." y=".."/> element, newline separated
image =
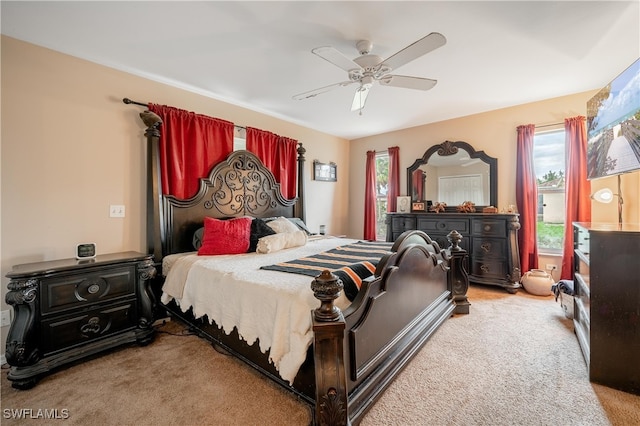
<point x="225" y="236"/>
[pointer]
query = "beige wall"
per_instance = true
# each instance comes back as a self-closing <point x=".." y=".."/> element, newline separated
<point x="71" y="147"/>
<point x="494" y="133"/>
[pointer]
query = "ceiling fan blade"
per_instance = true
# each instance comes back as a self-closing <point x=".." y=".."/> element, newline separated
<point x="407" y="82"/>
<point x="332" y="55"/>
<point x="413" y="51"/>
<point x="315" y="92"/>
<point x="360" y="97"/>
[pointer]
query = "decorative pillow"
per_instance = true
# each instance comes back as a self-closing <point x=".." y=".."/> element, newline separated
<point x="225" y="236"/>
<point x="282" y="225"/>
<point x="259" y="229"/>
<point x="300" y="224"/>
<point x="197" y="238"/>
<point x="283" y="240"/>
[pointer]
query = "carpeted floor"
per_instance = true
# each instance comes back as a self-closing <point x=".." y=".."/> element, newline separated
<point x="513" y="361"/>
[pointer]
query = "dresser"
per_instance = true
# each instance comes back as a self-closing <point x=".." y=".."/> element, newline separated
<point x="490" y="239"/>
<point x="607" y="302"/>
<point x="65" y="310"/>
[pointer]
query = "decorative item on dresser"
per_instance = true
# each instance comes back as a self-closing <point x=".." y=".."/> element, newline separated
<point x="69" y="309"/>
<point x="607" y="302"/>
<point x="490" y="240"/>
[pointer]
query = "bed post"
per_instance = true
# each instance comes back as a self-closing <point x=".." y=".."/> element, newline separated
<point x="155" y="232"/>
<point x="299" y="207"/>
<point x="458" y="278"/>
<point x="328" y="331"/>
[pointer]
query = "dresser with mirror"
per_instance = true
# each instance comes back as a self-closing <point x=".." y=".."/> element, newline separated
<point x="452" y="173"/>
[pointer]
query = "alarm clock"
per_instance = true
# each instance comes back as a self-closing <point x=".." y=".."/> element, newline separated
<point x="86" y="251"/>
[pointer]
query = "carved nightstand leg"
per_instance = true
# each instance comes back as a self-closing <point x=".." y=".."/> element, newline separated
<point x="145" y="332"/>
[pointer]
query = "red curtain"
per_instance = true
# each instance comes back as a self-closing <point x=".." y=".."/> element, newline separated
<point x="577" y="187"/>
<point x="527" y="198"/>
<point x="190" y="144"/>
<point x="370" y="197"/>
<point x="279" y="154"/>
<point x="394" y="179"/>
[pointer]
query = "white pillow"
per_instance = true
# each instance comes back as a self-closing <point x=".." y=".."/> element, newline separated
<point x="282" y="225"/>
<point x="277" y="242"/>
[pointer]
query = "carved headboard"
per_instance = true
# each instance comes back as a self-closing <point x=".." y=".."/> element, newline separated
<point x="238" y="186"/>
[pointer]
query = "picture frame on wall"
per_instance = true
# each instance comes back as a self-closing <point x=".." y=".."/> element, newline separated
<point x="403" y="204"/>
<point x="325" y="171"/>
<point x="418" y="206"/>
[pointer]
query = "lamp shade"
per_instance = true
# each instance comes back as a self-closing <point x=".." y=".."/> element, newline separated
<point x="604" y="195"/>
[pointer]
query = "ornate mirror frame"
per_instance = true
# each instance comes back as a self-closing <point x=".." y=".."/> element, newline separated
<point x="450" y="148"/>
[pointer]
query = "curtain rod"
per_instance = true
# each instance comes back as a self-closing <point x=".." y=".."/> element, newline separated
<point x="547" y="125"/>
<point x="129" y="101"/>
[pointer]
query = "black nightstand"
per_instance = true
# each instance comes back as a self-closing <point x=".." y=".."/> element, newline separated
<point x="65" y="310"/>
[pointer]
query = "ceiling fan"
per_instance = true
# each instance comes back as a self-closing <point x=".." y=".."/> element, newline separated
<point x="367" y="68"/>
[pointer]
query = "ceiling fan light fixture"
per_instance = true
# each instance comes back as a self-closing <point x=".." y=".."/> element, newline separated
<point x="369" y="68"/>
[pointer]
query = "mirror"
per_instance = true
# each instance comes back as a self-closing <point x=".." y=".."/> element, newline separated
<point x="454" y="172"/>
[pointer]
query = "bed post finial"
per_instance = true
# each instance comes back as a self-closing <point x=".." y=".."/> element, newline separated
<point x="326" y="288"/>
<point x="328" y="334"/>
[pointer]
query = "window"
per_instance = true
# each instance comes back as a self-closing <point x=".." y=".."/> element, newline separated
<point x="549" y="165"/>
<point x="382" y="184"/>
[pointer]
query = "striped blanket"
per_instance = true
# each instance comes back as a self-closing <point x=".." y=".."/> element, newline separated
<point x="351" y="263"/>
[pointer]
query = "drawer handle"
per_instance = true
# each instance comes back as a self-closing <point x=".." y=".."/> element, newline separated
<point x="93" y="288"/>
<point x="486" y="247"/>
<point x="93" y="326"/>
<point x="487" y="227"/>
<point x="484" y="268"/>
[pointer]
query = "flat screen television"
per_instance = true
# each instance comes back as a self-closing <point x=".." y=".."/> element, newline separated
<point x="613" y="126"/>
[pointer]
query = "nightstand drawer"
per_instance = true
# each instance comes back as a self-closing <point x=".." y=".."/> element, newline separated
<point x="66" y="331"/>
<point x="74" y="291"/>
<point x="489" y="247"/>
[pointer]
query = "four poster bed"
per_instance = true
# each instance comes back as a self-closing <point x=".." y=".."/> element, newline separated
<point x="339" y="361"/>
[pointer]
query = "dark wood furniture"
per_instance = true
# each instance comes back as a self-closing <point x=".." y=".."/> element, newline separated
<point x="66" y="310"/>
<point x="490" y="240"/>
<point x="356" y="353"/>
<point x="607" y="302"/>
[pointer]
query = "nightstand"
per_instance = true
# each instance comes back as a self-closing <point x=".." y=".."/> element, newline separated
<point x="69" y="309"/>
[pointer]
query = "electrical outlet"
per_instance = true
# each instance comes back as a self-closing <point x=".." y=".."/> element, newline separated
<point x="116" y="210"/>
<point x="551" y="267"/>
<point x="5" y="318"/>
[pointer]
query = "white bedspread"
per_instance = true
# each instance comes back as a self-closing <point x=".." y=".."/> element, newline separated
<point x="274" y="307"/>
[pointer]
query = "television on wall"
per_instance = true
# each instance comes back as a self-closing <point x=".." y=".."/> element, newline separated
<point x="613" y="126"/>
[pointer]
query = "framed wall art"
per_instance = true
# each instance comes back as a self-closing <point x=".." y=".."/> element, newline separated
<point x="324" y="171"/>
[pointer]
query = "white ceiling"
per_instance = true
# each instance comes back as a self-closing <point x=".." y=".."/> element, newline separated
<point x="258" y="54"/>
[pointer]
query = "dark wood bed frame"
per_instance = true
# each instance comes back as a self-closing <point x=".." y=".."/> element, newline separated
<point x="356" y="353"/>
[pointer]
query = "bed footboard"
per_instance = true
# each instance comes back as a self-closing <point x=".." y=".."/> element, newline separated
<point x="358" y="353"/>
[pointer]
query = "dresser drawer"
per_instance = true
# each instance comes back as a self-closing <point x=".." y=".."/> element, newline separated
<point x="489" y="247"/>
<point x="488" y="268"/>
<point x="402" y="223"/>
<point x="433" y="225"/>
<point x="489" y="227"/>
<point x="63" y="332"/>
<point x="77" y="290"/>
